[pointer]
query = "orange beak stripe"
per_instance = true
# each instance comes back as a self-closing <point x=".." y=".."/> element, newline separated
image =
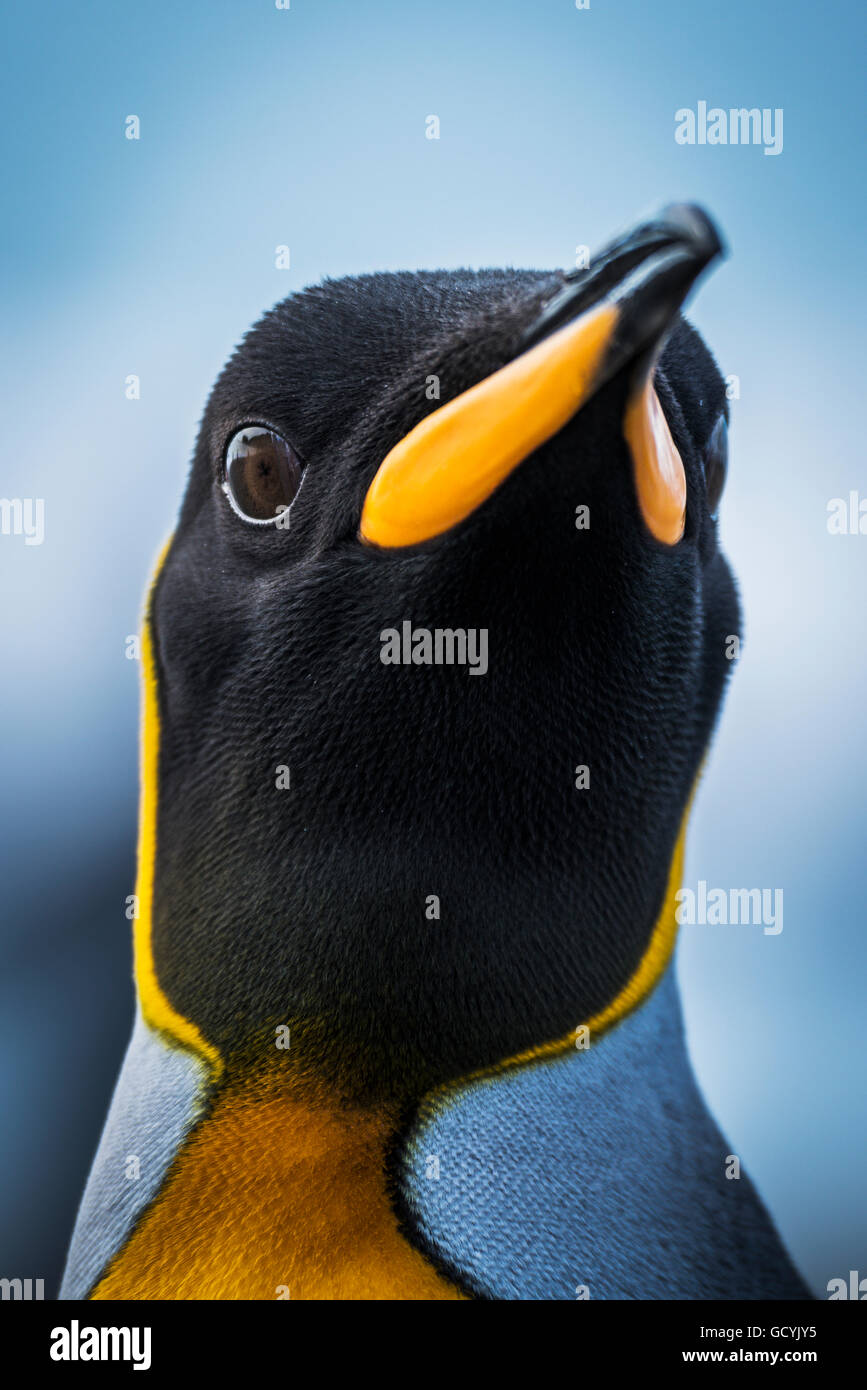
<point x="455" y="458"/>
<point x="451" y="462"/>
<point x="658" y="468"/>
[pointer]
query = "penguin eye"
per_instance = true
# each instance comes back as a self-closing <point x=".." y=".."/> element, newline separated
<point x="716" y="461"/>
<point x="262" y="474"/>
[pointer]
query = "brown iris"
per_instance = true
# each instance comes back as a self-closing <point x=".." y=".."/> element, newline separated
<point x="263" y="473"/>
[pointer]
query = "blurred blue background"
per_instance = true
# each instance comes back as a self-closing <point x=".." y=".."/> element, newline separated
<point x="307" y="127"/>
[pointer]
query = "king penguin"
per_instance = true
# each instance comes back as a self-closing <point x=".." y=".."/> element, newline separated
<point x="407" y="1024"/>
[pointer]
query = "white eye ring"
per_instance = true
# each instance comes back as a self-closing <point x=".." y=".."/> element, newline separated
<point x="262" y="474"/>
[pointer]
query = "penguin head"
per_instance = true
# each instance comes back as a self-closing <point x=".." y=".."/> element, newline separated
<point x="395" y="852"/>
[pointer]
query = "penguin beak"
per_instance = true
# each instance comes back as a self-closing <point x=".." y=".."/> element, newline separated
<point x="610" y="318"/>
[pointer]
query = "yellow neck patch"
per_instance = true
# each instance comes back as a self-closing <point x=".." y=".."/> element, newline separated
<point x="155" y="1006"/>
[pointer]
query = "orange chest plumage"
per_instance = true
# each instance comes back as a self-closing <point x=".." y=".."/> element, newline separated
<point x="275" y="1198"/>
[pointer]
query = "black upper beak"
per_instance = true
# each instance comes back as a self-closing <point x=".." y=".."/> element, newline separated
<point x="615" y="315"/>
<point x="647" y="274"/>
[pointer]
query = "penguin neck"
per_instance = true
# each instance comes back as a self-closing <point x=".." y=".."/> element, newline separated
<point x="308" y="1062"/>
<point x="286" y="1189"/>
